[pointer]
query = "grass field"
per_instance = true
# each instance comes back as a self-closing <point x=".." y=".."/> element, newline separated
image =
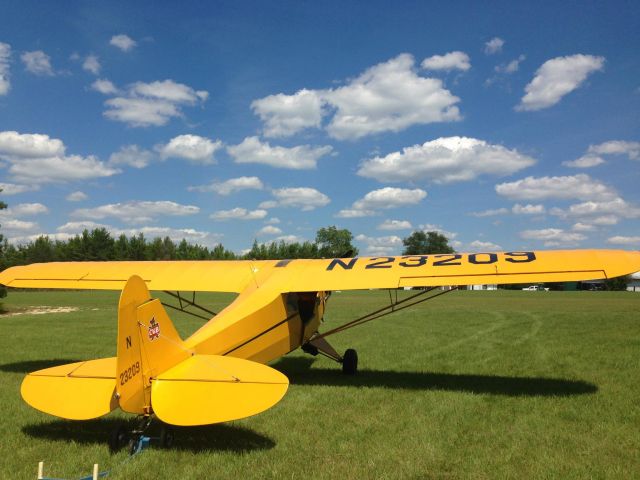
<point x="472" y="385"/>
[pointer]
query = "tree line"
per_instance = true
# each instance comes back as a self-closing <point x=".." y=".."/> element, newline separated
<point x="99" y="245"/>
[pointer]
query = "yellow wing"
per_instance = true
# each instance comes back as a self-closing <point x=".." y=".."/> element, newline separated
<point x="212" y="276"/>
<point x="333" y="274"/>
<point x="457" y="269"/>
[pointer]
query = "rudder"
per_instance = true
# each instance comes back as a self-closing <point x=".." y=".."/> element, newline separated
<point x="148" y="344"/>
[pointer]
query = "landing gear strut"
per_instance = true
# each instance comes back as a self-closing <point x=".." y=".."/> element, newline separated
<point x="349" y="360"/>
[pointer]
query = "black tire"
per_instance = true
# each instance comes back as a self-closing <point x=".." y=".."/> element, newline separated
<point x="119" y="438"/>
<point x="166" y="436"/>
<point x="350" y="362"/>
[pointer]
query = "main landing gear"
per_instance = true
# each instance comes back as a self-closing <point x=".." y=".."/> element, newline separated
<point x="135" y="439"/>
<point x="349" y="360"/>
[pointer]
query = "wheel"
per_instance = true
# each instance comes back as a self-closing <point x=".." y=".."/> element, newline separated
<point x="350" y="362"/>
<point x="166" y="436"/>
<point x="118" y="438"/>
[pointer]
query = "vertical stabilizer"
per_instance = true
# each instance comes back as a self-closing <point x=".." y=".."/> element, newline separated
<point x="148" y="344"/>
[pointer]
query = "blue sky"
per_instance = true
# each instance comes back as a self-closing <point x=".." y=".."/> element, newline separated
<point x="504" y="126"/>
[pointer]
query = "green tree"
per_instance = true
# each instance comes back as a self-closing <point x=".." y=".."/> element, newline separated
<point x="42" y="250"/>
<point x="421" y="243"/>
<point x="137" y="247"/>
<point x="121" y="248"/>
<point x="334" y="243"/>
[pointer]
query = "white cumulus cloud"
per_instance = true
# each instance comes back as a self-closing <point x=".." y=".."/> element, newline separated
<point x="29" y="145"/>
<point x="586" y="161"/>
<point x="493" y="46"/>
<point x="380" y="245"/>
<point x="390" y="96"/>
<point x="269" y="230"/>
<point x="284" y="115"/>
<point x="149" y="104"/>
<point x="77" y="196"/>
<point x="252" y="150"/>
<point x="492" y="212"/>
<point x="230" y="186"/>
<point x="104" y="86"/>
<point x="132" y="156"/>
<point x="15" y="188"/>
<point x="123" y="42"/>
<point x="528" y="209"/>
<point x="305" y="198"/>
<point x="623" y="240"/>
<point x="91" y="64"/>
<point x="510" y="67"/>
<point x="395" y="225"/>
<point x="5" y="58"/>
<point x="606" y="212"/>
<point x="383" y="198"/>
<point x="593" y="156"/>
<point x="37" y="62"/>
<point x="450" y="61"/>
<point x="479" y="245"/>
<point x="239" y="214"/>
<point x="581" y="187"/>
<point x="553" y="237"/>
<point x="617" y="147"/>
<point x="37" y="158"/>
<point x="556" y="78"/>
<point x="583" y="227"/>
<point x="136" y="212"/>
<point x="446" y="160"/>
<point x="24" y="209"/>
<point x="193" y="148"/>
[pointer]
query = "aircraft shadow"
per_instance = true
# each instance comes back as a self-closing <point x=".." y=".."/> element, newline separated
<point x="299" y="372"/>
<point x="28" y="366"/>
<point x="219" y="437"/>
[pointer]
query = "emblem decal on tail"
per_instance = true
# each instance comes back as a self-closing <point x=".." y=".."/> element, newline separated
<point x="154" y="330"/>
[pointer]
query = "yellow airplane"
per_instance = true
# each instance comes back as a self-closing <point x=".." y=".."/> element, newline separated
<point x="219" y="374"/>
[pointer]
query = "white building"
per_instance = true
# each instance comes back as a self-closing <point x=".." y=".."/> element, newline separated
<point x="485" y="286"/>
<point x="634" y="284"/>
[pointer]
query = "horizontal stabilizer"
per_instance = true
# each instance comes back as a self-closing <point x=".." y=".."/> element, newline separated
<point x="205" y="389"/>
<point x="77" y="391"/>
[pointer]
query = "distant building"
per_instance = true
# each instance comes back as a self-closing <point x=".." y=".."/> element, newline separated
<point x="634" y="283"/>
<point x="484" y="286"/>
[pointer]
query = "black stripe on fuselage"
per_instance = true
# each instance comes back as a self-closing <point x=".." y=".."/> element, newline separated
<point x="260" y="334"/>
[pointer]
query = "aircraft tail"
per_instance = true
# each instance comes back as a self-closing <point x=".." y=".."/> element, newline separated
<point x="153" y="372"/>
<point x="157" y="374"/>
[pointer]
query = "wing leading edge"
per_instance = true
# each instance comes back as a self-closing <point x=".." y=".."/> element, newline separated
<point x="332" y="274"/>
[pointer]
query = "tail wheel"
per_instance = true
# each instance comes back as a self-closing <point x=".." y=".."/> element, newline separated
<point x="119" y="438"/>
<point x="350" y="362"/>
<point x="166" y="436"/>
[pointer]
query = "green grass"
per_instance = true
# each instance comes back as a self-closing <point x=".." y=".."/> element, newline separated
<point x="471" y="385"/>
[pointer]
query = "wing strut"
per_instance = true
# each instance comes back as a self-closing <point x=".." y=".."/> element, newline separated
<point x="184" y="303"/>
<point x="394" y="306"/>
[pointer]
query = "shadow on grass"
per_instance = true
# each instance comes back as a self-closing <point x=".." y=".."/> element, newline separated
<point x="219" y="437"/>
<point x="299" y="372"/>
<point x="29" y="366"/>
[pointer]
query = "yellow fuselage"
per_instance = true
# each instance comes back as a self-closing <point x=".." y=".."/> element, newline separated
<point x="261" y="325"/>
